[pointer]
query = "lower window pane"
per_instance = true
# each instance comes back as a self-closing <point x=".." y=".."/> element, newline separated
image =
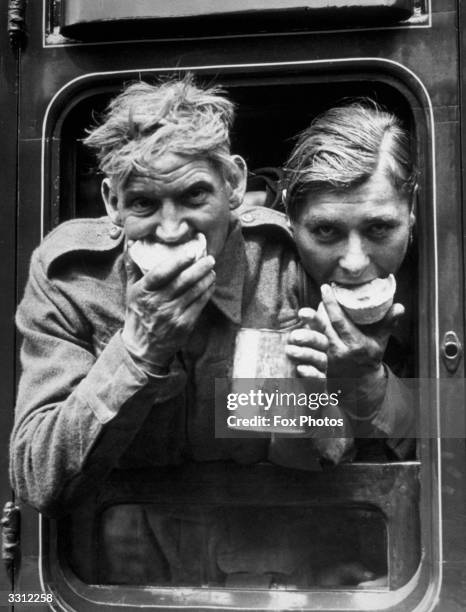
<point x="238" y="546"/>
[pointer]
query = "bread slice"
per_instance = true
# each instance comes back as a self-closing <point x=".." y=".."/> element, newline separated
<point x="147" y="254"/>
<point x="368" y="303"/>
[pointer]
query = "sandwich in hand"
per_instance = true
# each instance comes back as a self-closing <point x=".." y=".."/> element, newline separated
<point x="367" y="303"/>
<point x="147" y="254"/>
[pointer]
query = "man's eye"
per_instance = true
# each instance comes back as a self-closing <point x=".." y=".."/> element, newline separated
<point x="325" y="233"/>
<point x="141" y="205"/>
<point x="197" y="196"/>
<point x="379" y="230"/>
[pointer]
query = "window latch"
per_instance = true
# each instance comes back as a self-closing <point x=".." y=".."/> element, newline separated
<point x="452" y="351"/>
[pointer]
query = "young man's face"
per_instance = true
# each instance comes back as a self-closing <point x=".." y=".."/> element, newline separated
<point x="179" y="198"/>
<point x="352" y="237"/>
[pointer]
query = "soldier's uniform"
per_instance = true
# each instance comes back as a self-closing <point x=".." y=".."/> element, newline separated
<point x="85" y="408"/>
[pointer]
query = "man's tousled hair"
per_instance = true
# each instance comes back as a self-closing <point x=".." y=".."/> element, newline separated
<point x="146" y="121"/>
<point x="343" y="148"/>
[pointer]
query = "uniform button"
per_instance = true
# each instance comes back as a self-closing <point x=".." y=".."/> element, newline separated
<point x="115" y="232"/>
<point x="247" y="218"/>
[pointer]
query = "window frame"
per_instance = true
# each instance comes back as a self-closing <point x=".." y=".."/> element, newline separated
<point x="420" y="592"/>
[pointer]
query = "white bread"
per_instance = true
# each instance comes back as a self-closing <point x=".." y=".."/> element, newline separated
<point x="148" y="254"/>
<point x="367" y="303"/>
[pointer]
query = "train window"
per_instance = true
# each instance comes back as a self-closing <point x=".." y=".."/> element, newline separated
<point x="292" y="527"/>
<point x="281" y="548"/>
<point x="115" y="19"/>
<point x="268" y="116"/>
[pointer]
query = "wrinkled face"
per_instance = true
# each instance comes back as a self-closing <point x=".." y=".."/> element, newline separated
<point x="180" y="197"/>
<point x="354" y="236"/>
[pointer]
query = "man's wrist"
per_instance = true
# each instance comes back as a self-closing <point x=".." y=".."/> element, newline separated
<point x="364" y="400"/>
<point x="373" y="381"/>
<point x="159" y="367"/>
<point x="151" y="369"/>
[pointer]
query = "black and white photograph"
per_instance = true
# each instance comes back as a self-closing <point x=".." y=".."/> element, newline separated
<point x="233" y="305"/>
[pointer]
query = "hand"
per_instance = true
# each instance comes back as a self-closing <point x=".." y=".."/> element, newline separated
<point x="308" y="346"/>
<point x="163" y="307"/>
<point x="353" y="351"/>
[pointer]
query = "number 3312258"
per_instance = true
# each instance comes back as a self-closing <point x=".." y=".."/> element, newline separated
<point x="30" y="597"/>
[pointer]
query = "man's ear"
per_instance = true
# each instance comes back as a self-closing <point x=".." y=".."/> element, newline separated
<point x="236" y="180"/>
<point x="110" y="199"/>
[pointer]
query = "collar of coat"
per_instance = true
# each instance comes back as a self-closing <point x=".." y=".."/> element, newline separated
<point x="102" y="236"/>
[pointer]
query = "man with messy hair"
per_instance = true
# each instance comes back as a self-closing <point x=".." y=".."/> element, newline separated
<point x="119" y="359"/>
<point x="350" y="190"/>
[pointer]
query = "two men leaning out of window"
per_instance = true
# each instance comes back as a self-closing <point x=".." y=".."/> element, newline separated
<point x="128" y="320"/>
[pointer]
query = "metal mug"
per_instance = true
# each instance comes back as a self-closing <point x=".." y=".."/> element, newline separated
<point x="259" y="358"/>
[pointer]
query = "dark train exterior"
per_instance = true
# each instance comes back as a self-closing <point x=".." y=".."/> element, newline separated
<point x="282" y="61"/>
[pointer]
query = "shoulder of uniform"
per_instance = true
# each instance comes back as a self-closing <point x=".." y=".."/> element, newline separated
<point x="257" y="217"/>
<point x="79" y="235"/>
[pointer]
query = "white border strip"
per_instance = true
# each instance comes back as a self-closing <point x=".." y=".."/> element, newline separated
<point x="433" y="597"/>
<point x="45" y="45"/>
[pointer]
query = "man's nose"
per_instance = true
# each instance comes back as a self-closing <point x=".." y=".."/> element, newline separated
<point x="354" y="260"/>
<point x="171" y="224"/>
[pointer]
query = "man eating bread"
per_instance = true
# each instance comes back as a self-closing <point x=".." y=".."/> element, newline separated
<point x="349" y="192"/>
<point x="127" y="322"/>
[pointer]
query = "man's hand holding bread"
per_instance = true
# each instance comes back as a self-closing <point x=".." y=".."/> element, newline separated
<point x="164" y="305"/>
